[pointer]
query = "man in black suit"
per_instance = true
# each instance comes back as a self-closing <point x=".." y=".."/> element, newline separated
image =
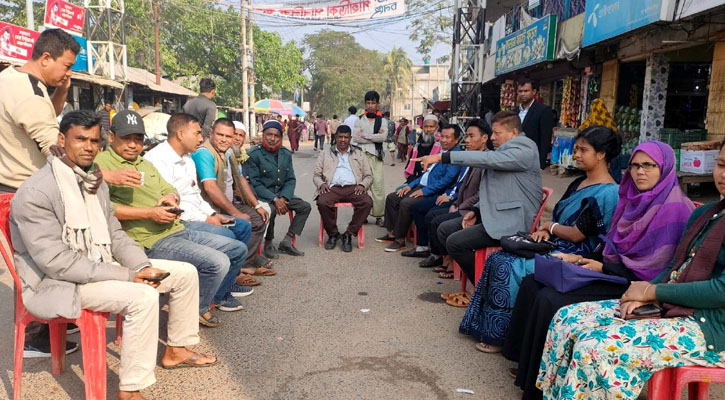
<point x="537" y="119"/>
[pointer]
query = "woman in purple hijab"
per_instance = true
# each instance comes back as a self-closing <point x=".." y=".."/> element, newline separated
<point x="646" y="227"/>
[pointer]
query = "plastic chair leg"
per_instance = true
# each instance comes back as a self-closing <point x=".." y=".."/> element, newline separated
<point x="361" y="238"/>
<point x="93" y="340"/>
<point x="119" y="329"/>
<point x="660" y="386"/>
<point x="698" y="391"/>
<point x="58" y="333"/>
<point x="321" y="239"/>
<point x="18" y="365"/>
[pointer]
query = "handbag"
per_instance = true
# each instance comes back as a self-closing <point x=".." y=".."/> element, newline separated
<point x="523" y="245"/>
<point x="565" y="277"/>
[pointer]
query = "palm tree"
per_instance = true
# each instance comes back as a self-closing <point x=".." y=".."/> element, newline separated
<point x="397" y="66"/>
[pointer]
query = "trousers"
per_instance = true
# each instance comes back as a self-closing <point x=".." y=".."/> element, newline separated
<point x="321" y="140"/>
<point x="139" y="305"/>
<point x="301" y="209"/>
<point x="463" y="243"/>
<point x="399" y="212"/>
<point x="377" y="189"/>
<point x="434" y="219"/>
<point x="421" y="210"/>
<point x="362" y="203"/>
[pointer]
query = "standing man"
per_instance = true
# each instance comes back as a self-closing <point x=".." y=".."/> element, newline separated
<point x="293" y="133"/>
<point x="320" y="132"/>
<point x="537" y="119"/>
<point x="203" y="107"/>
<point x="371" y="130"/>
<point x="105" y="114"/>
<point x="273" y="179"/>
<point x="333" y="124"/>
<point x="28" y="127"/>
<point x="390" y="140"/>
<point x="342" y="174"/>
<point x="350" y="121"/>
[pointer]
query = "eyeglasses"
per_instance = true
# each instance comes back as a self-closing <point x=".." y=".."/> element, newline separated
<point x="645" y="166"/>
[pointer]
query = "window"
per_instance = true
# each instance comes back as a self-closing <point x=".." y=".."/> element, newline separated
<point x="407" y="107"/>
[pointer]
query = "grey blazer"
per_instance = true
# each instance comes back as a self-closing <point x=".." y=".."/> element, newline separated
<point x="49" y="271"/>
<point x="510" y="189"/>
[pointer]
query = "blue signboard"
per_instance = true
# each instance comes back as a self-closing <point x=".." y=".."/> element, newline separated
<point x="82" y="57"/>
<point x="609" y="18"/>
<point x="527" y="46"/>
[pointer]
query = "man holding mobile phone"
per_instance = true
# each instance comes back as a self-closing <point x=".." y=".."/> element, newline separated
<point x="72" y="254"/>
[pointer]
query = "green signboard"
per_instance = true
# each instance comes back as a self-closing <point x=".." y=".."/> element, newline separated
<point x="527" y="46"/>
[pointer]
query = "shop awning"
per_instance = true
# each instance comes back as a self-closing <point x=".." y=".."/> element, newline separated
<point x="97" y="80"/>
<point x="145" y="78"/>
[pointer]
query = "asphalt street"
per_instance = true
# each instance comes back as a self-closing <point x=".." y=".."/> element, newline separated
<point x="330" y="325"/>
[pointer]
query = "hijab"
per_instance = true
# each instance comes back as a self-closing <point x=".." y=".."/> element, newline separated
<point x="647" y="226"/>
<point x="598" y="115"/>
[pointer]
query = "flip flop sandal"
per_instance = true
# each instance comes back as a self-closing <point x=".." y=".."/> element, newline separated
<point x="212" y="322"/>
<point x="262" y="271"/>
<point x="487" y="348"/>
<point x="439" y="269"/>
<point x="446" y="296"/>
<point x="458" y="301"/>
<point x="190" y="363"/>
<point x="247" y="280"/>
<point x="445" y="275"/>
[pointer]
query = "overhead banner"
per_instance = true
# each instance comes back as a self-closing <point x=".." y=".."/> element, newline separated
<point x="609" y="18"/>
<point x="82" y="57"/>
<point x="66" y="16"/>
<point x="345" y="10"/>
<point x="16" y="43"/>
<point x="527" y="46"/>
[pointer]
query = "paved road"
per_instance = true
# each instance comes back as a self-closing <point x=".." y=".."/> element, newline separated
<point x="303" y="335"/>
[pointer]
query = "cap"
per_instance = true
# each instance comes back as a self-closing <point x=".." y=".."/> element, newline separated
<point x="430" y="117"/>
<point x="127" y="122"/>
<point x="272" y="124"/>
<point x="239" y="125"/>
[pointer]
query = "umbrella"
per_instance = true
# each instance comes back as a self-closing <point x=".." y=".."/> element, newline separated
<point x="269" y="105"/>
<point x="296" y="110"/>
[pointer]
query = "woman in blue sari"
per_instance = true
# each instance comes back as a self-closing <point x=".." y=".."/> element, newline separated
<point x="583" y="213"/>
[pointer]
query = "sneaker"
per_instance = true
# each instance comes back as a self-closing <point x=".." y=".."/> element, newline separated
<point x="385" y="239"/>
<point x="37" y="350"/>
<point x="71" y="329"/>
<point x="395" y="246"/>
<point x="241" y="291"/>
<point x="229" y="304"/>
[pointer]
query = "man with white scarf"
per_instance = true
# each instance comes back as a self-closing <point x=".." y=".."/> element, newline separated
<point x="72" y="254"/>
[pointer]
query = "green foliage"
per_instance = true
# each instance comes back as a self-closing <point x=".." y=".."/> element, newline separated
<point x="396" y="65"/>
<point x="433" y="25"/>
<point x="13" y="11"/>
<point x="341" y="71"/>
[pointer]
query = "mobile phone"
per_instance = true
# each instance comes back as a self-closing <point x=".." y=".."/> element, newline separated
<point x="176" y="211"/>
<point x="646" y="310"/>
<point x="229" y="224"/>
<point x="159" y="278"/>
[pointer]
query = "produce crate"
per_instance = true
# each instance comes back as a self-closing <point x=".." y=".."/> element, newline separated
<point x="675" y="137"/>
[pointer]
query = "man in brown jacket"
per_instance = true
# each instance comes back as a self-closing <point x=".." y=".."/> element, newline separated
<point x="342" y="174"/>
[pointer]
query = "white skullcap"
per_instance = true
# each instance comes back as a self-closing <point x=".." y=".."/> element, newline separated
<point x="429" y="117"/>
<point x="239" y="125"/>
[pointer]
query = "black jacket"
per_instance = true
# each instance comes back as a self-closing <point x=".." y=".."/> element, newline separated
<point x="539" y="127"/>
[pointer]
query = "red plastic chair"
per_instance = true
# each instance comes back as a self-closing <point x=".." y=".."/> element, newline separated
<point x="360" y="233"/>
<point x="482" y="254"/>
<point x="92" y="325"/>
<point x="667" y="384"/>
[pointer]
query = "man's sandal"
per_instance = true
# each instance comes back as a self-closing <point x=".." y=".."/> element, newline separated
<point x="190" y="362"/>
<point x="263" y="271"/>
<point x="247" y="280"/>
<point x="446" y="296"/>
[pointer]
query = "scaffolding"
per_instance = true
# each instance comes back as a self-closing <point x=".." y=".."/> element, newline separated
<point x="468" y="58"/>
<point x="106" y="38"/>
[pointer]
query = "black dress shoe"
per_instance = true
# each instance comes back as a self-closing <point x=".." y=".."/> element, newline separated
<point x="413" y="253"/>
<point x="347" y="243"/>
<point x="289" y="248"/>
<point x="332" y="241"/>
<point x="431" y="261"/>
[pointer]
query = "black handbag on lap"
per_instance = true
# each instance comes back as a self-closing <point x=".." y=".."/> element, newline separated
<point x="522" y="245"/>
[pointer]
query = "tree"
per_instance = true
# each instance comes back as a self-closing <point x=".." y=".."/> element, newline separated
<point x="341" y="71"/>
<point x="13" y="11"/>
<point x="433" y="25"/>
<point x="397" y="67"/>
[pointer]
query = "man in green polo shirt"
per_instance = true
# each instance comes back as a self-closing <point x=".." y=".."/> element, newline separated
<point x="147" y="207"/>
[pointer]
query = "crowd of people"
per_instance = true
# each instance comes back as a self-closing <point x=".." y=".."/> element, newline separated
<point x="109" y="229"/>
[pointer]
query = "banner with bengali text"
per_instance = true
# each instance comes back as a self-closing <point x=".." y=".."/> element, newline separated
<point x="16" y="43"/>
<point x="66" y="16"/>
<point x="336" y="10"/>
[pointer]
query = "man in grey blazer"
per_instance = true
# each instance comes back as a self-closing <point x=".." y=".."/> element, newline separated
<point x="509" y="192"/>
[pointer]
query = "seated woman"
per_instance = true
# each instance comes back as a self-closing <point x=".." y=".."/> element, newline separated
<point x="647" y="224"/>
<point x="591" y="353"/>
<point x="583" y="213"/>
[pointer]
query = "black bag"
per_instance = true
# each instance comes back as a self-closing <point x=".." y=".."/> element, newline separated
<point x="522" y="245"/>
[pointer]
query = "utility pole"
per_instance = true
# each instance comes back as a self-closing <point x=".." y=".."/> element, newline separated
<point x="245" y="80"/>
<point x="250" y="69"/>
<point x="155" y="10"/>
<point x="29" y="14"/>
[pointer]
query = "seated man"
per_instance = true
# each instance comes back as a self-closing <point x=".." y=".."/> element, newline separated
<point x="425" y="189"/>
<point x="221" y="184"/>
<point x="460" y="200"/>
<point x="424" y="145"/>
<point x="273" y="179"/>
<point x="241" y="155"/>
<point x="149" y="213"/>
<point x="342" y="174"/>
<point x="71" y="254"/>
<point x="509" y="192"/>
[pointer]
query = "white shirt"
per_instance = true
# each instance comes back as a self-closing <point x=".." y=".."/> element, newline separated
<point x="343" y="173"/>
<point x="350" y="121"/>
<point x="424" y="178"/>
<point x="180" y="172"/>
<point x="523" y="111"/>
<point x="369" y="138"/>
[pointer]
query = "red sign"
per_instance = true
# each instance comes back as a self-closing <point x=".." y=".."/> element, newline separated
<point x="64" y="15"/>
<point x="16" y="43"/>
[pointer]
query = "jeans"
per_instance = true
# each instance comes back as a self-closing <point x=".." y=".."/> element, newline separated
<point x="217" y="258"/>
<point x="241" y="230"/>
<point x="321" y="139"/>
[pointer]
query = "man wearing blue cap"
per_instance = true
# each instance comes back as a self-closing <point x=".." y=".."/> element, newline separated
<point x="273" y="179"/>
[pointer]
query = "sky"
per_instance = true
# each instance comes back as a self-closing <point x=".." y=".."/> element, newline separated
<point x="381" y="37"/>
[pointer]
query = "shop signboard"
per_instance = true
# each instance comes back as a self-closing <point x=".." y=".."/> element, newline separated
<point x="82" y="57"/>
<point x="16" y="43"/>
<point x="64" y="15"/>
<point x="608" y="18"/>
<point x="527" y="46"/>
<point x="686" y="8"/>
